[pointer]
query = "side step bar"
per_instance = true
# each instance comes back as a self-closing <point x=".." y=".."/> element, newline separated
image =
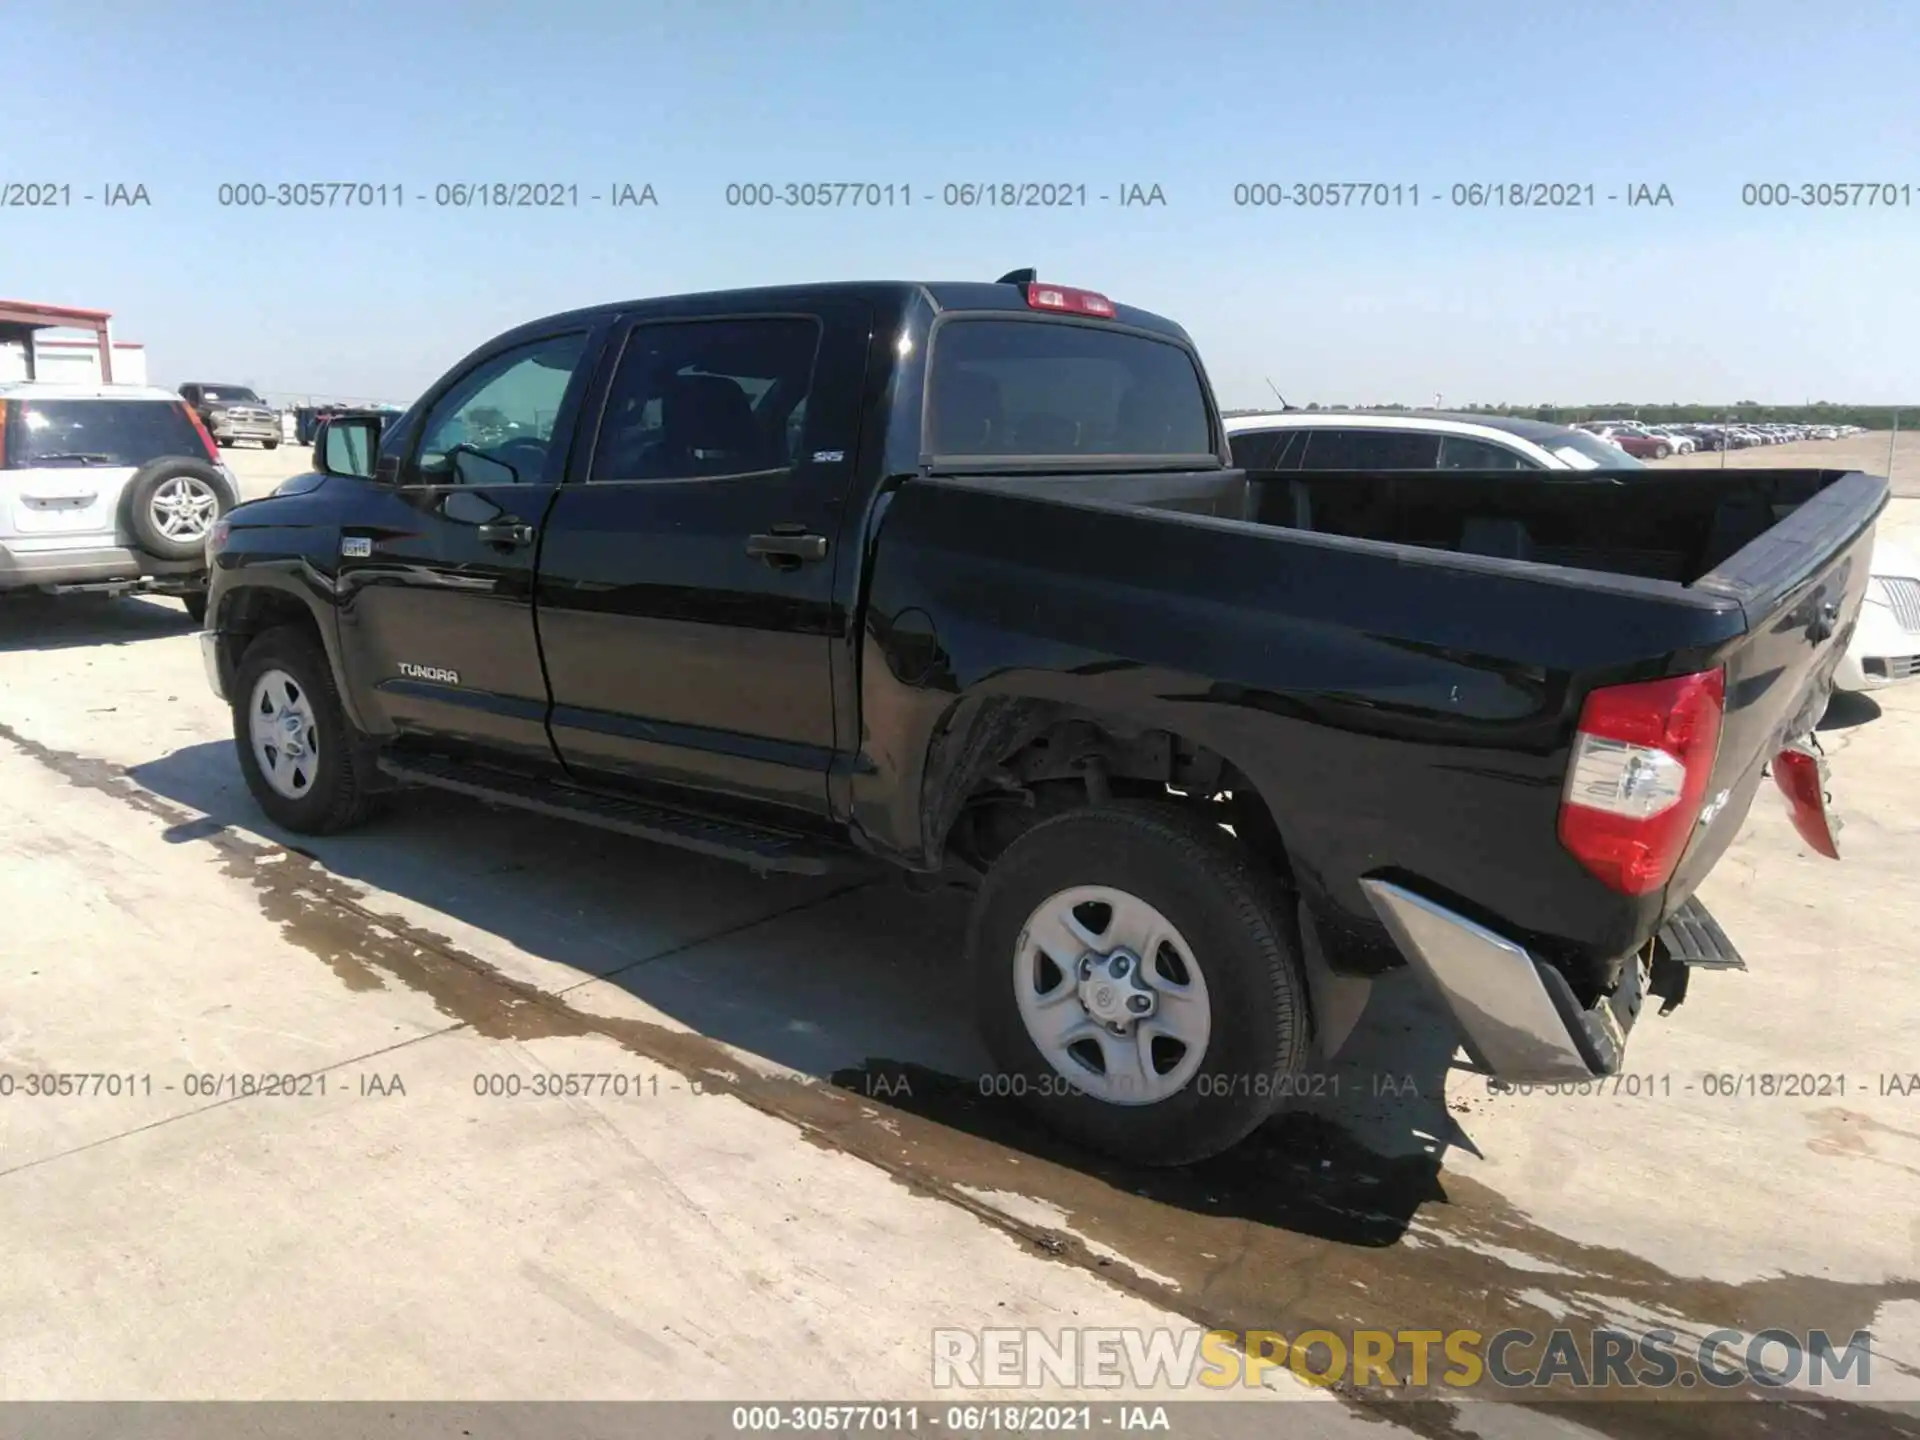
<point x="760" y="849"/>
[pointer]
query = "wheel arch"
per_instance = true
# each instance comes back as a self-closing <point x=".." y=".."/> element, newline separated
<point x="243" y="608"/>
<point x="993" y="746"/>
<point x="988" y="742"/>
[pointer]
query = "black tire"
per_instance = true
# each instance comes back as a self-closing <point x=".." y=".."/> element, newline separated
<point x="145" y="526"/>
<point x="271" y="444"/>
<point x="343" y="791"/>
<point x="196" y="604"/>
<point x="1661" y="452"/>
<point x="1233" y="917"/>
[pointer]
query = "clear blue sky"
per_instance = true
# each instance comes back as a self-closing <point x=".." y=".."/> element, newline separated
<point x="1707" y="299"/>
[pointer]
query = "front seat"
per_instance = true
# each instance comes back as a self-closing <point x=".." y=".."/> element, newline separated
<point x="706" y="428"/>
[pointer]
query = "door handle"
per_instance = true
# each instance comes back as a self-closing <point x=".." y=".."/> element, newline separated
<point x="506" y="532"/>
<point x="785" y="546"/>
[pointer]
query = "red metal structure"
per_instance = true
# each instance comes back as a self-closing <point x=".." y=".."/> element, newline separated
<point x="22" y="320"/>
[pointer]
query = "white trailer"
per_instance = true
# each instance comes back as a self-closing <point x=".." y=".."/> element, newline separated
<point x="27" y="352"/>
<point x="71" y="362"/>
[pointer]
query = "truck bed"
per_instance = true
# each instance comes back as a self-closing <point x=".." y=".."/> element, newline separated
<point x="1397" y="663"/>
<point x="1671" y="525"/>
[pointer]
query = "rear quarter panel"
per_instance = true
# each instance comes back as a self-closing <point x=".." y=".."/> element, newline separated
<point x="1401" y="712"/>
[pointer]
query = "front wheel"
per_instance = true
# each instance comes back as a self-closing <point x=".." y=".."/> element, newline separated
<point x="271" y="444"/>
<point x="305" y="764"/>
<point x="1661" y="452"/>
<point x="1136" y="982"/>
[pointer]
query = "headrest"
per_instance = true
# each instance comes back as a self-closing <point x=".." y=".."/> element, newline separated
<point x="708" y="412"/>
<point x="968" y="417"/>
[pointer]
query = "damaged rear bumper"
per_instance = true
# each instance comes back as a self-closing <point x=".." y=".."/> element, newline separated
<point x="1518" y="1018"/>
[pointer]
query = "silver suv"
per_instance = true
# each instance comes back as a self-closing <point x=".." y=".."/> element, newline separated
<point x="107" y="487"/>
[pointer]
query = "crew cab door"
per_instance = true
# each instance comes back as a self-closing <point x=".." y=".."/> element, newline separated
<point x="686" y="599"/>
<point x="437" y="563"/>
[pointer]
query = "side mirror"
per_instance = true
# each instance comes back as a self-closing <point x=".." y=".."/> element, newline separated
<point x="347" y="446"/>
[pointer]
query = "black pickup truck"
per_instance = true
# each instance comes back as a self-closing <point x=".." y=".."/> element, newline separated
<point x="960" y="579"/>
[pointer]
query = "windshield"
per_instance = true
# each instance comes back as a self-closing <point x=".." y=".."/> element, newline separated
<point x="1047" y="389"/>
<point x="1586" y="452"/>
<point x="98" y="432"/>
<point x="232" y="394"/>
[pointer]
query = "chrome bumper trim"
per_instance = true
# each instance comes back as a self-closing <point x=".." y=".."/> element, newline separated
<point x="210" y="658"/>
<point x="1497" y="993"/>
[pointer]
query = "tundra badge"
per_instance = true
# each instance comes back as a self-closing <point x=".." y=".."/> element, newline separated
<point x="429" y="672"/>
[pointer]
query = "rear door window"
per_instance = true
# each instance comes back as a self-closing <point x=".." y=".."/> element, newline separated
<point x="700" y="399"/>
<point x="1333" y="449"/>
<point x="1256" y="449"/>
<point x="1458" y="452"/>
<point x="1053" y="390"/>
<point x="1268" y="450"/>
<point x="42" y="433"/>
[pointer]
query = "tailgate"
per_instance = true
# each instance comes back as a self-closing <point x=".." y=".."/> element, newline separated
<point x="1800" y="585"/>
<point x="61" y="500"/>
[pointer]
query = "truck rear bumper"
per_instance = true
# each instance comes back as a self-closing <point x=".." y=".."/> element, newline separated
<point x="1518" y="1018"/>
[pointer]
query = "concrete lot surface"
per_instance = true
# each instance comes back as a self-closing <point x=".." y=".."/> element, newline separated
<point x="790" y="1176"/>
<point x="1878" y="452"/>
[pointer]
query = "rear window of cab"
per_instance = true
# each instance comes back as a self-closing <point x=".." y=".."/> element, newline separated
<point x="1054" y="389"/>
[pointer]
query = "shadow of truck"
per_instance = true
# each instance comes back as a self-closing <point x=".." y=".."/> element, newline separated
<point x="865" y="986"/>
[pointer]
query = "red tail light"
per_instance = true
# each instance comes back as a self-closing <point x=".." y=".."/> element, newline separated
<point x="4" y="407"/>
<point x="1800" y="778"/>
<point x="1069" y="301"/>
<point x="206" y="436"/>
<point x="1641" y="762"/>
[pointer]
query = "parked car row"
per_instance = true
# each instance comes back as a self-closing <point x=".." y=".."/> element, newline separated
<point x="971" y="581"/>
<point x="1657" y="442"/>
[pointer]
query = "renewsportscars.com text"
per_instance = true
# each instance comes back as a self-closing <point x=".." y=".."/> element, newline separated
<point x="1215" y="1360"/>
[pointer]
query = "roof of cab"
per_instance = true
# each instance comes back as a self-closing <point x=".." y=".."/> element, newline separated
<point x="942" y="295"/>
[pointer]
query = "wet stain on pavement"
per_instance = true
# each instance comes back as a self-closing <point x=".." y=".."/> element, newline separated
<point x="1298" y="1228"/>
<point x="1848" y="1133"/>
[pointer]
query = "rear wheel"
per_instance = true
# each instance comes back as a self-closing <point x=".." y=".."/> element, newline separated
<point x="1136" y="983"/>
<point x="1661" y="452"/>
<point x="305" y="764"/>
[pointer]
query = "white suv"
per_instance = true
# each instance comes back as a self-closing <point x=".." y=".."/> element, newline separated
<point x="107" y="487"/>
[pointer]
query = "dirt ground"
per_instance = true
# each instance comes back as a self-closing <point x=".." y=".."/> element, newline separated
<point x="1878" y="452"/>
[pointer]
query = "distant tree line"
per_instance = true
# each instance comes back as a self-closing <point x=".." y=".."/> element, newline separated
<point x="1821" y="412"/>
